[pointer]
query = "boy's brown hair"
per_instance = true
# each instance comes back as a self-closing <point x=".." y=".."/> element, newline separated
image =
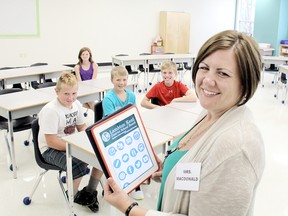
<point x="169" y="65"/>
<point x="118" y="71"/>
<point x="66" y="78"/>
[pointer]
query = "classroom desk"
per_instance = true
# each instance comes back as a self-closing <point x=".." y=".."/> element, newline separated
<point x="106" y="84"/>
<point x="278" y="60"/>
<point x="50" y="71"/>
<point x="16" y="105"/>
<point x="168" y="120"/>
<point x="79" y="146"/>
<point x="145" y="60"/>
<point x="28" y="74"/>
<point x="193" y="107"/>
<point x="282" y="69"/>
<point x="86" y="93"/>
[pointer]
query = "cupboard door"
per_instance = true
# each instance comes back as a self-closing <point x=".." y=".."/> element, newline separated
<point x="175" y="31"/>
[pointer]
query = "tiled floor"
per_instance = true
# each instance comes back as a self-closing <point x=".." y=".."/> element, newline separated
<point x="271" y="200"/>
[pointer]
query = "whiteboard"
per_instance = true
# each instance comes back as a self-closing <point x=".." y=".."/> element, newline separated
<point x="19" y="18"/>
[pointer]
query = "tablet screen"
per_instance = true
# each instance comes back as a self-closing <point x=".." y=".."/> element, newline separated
<point x="125" y="148"/>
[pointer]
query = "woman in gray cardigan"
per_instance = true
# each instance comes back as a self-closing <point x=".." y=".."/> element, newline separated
<point x="215" y="168"/>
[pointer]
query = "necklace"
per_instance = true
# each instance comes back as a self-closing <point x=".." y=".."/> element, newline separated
<point x="197" y="133"/>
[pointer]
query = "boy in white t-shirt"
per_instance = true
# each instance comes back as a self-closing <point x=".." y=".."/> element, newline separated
<point x="61" y="117"/>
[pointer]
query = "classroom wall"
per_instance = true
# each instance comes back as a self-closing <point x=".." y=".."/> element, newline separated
<point x="271" y="22"/>
<point x="109" y="27"/>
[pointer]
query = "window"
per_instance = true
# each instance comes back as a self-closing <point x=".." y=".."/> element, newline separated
<point x="245" y="15"/>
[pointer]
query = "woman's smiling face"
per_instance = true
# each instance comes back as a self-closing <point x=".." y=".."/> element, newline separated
<point x="218" y="83"/>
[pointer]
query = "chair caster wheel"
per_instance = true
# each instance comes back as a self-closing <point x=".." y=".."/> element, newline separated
<point x="283" y="102"/>
<point x="139" y="91"/>
<point x="63" y="179"/>
<point x="275" y="95"/>
<point x="150" y="83"/>
<point x="85" y="114"/>
<point x="26" y="200"/>
<point x="11" y="167"/>
<point x="26" y="142"/>
<point x="87" y="170"/>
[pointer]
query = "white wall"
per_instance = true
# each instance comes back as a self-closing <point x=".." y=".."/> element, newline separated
<point x="109" y="27"/>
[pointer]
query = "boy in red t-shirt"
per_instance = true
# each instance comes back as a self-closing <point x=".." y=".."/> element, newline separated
<point x="169" y="89"/>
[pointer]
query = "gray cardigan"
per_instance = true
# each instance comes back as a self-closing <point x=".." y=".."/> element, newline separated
<point x="232" y="160"/>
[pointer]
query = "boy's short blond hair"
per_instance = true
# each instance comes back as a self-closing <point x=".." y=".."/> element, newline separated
<point x="66" y="78"/>
<point x="169" y="65"/>
<point x="118" y="71"/>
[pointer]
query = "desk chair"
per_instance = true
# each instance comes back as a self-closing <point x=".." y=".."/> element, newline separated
<point x="98" y="111"/>
<point x="19" y="124"/>
<point x="132" y="72"/>
<point x="45" y="85"/>
<point x="282" y="83"/>
<point x="15" y="85"/>
<point x="150" y="69"/>
<point x="44" y="165"/>
<point x="34" y="84"/>
<point x="186" y="67"/>
<point x="154" y="101"/>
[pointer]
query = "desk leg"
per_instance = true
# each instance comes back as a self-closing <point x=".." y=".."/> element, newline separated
<point x="70" y="180"/>
<point x="12" y="147"/>
<point x="262" y="77"/>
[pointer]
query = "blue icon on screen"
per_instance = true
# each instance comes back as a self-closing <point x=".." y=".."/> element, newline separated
<point x="128" y="140"/>
<point x="125" y="185"/>
<point x="122" y="175"/>
<point x="136" y="135"/>
<point x="120" y="145"/>
<point x="117" y="163"/>
<point x="138" y="164"/>
<point x="125" y="157"/>
<point x="141" y="147"/>
<point x="112" y="151"/>
<point x="133" y="152"/>
<point x="105" y="136"/>
<point x="130" y="170"/>
<point x="145" y="158"/>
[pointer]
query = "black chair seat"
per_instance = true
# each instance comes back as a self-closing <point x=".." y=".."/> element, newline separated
<point x="98" y="111"/>
<point x="283" y="78"/>
<point x="38" y="156"/>
<point x="19" y="124"/>
<point x="155" y="101"/>
<point x="186" y="66"/>
<point x="46" y="84"/>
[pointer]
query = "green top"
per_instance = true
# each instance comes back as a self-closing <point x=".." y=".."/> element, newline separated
<point x="170" y="162"/>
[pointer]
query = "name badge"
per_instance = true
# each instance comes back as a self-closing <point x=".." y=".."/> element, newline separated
<point x="187" y="176"/>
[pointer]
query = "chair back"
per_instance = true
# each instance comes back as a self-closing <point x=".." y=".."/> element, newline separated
<point x="19" y="124"/>
<point x="98" y="111"/>
<point x="9" y="90"/>
<point x="38" y="64"/>
<point x="155" y="101"/>
<point x="45" y="85"/>
<point x="38" y="156"/>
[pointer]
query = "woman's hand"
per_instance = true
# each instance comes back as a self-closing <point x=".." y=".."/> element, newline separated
<point x="157" y="176"/>
<point x="114" y="195"/>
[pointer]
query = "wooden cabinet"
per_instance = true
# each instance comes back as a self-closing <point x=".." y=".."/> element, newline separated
<point x="175" y="31"/>
<point x="283" y="50"/>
